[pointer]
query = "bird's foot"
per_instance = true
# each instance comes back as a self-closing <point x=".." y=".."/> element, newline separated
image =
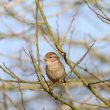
<point x="50" y="85"/>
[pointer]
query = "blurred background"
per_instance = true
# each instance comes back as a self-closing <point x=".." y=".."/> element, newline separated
<point x="77" y="24"/>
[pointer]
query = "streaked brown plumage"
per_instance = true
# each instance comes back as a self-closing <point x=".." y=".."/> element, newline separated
<point x="54" y="68"/>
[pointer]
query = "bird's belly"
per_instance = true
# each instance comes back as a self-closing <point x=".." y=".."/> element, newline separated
<point x="55" y="74"/>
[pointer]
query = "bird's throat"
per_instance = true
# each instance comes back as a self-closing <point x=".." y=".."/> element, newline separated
<point x="52" y="63"/>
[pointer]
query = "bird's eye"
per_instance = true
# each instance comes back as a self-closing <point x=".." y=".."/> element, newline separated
<point x="50" y="57"/>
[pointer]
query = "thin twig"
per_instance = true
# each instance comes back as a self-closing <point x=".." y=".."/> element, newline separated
<point x="70" y="25"/>
<point x="4" y="98"/>
<point x="22" y="98"/>
<point x="58" y="35"/>
<point x="102" y="18"/>
<point x="101" y="81"/>
<point x="76" y="64"/>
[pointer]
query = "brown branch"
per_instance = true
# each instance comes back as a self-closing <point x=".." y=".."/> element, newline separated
<point x="4" y="98"/>
<point x="102" y="18"/>
<point x="101" y="81"/>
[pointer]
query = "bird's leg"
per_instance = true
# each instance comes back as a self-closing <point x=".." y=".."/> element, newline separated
<point x="62" y="84"/>
<point x="50" y="85"/>
<point x="61" y="81"/>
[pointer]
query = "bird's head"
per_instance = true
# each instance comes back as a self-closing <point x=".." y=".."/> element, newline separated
<point x="51" y="57"/>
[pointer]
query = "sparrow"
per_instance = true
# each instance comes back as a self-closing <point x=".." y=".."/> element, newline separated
<point x="54" y="68"/>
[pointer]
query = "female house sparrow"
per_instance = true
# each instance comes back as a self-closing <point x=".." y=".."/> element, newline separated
<point x="54" y="68"/>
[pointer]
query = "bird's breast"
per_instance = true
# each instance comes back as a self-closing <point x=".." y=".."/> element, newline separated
<point x="54" y="66"/>
<point x="55" y="71"/>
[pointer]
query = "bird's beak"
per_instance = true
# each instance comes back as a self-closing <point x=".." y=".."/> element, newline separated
<point x="45" y="59"/>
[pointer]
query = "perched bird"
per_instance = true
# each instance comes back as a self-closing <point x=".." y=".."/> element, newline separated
<point x="54" y="68"/>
